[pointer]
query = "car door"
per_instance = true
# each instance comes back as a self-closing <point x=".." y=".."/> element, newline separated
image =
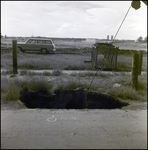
<point x="38" y="45"/>
<point x="29" y="46"/>
<point x="48" y="45"/>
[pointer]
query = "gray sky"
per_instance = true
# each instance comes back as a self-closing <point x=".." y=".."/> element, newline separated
<point x="75" y="19"/>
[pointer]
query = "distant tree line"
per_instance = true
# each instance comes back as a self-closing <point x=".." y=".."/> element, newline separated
<point x="141" y="39"/>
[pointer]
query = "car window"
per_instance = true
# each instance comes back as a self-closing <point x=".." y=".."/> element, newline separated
<point x="31" y="41"/>
<point x="39" y="42"/>
<point x="47" y="42"/>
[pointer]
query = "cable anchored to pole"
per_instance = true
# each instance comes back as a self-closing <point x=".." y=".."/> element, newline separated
<point x="111" y="42"/>
<point x="121" y="23"/>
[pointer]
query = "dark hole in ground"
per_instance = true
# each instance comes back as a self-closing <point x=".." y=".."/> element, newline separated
<point x="69" y="99"/>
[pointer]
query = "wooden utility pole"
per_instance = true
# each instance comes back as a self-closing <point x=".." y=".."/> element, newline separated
<point x="96" y="58"/>
<point x="140" y="62"/>
<point x="14" y="55"/>
<point x="135" y="71"/>
<point x="92" y="54"/>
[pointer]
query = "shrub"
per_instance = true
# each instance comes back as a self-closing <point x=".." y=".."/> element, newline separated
<point x="10" y="90"/>
<point x="40" y="85"/>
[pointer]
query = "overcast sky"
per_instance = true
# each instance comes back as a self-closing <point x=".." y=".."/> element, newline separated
<point x="74" y="19"/>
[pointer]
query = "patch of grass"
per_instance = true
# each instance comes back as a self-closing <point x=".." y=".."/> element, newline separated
<point x="80" y="67"/>
<point x="56" y="73"/>
<point x="142" y="84"/>
<point x="71" y="86"/>
<point x="86" y="74"/>
<point x="75" y="68"/>
<point x="106" y="63"/>
<point x="10" y="88"/>
<point x="74" y="85"/>
<point x="40" y="85"/>
<point x="103" y="75"/>
<point x="28" y="66"/>
<point x="23" y="72"/>
<point x="124" y="92"/>
<point x="34" y="66"/>
<point x="7" y="72"/>
<point x="123" y="66"/>
<point x="99" y="74"/>
<point x="46" y="73"/>
<point x="82" y="74"/>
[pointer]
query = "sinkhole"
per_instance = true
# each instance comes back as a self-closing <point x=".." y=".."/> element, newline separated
<point x="69" y="99"/>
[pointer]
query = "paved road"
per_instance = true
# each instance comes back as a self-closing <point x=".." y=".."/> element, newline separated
<point x="83" y="129"/>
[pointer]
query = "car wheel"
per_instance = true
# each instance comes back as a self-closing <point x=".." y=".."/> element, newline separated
<point x="44" y="51"/>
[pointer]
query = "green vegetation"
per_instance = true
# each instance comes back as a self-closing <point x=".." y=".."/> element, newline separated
<point x="67" y="62"/>
<point x="56" y="73"/>
<point x="34" y="66"/>
<point x="103" y="83"/>
<point x="70" y="67"/>
<point x="6" y="72"/>
<point x="71" y="86"/>
<point x="10" y="88"/>
<point x="124" y="92"/>
<point x="40" y="85"/>
<point x="46" y="73"/>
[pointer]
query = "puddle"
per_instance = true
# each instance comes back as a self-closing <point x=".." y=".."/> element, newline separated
<point x="69" y="99"/>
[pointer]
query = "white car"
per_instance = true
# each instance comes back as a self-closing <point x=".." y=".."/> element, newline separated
<point x="37" y="44"/>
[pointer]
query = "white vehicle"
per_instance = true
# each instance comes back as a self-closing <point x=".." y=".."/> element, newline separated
<point x="37" y="44"/>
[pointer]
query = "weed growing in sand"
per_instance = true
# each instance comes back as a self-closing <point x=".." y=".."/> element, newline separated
<point x="125" y="91"/>
<point x="10" y="89"/>
<point x="40" y="85"/>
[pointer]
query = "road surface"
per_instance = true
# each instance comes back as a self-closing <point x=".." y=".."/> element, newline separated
<point x="73" y="129"/>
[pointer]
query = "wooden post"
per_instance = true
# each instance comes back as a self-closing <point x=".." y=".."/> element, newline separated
<point x="115" y="58"/>
<point x="92" y="51"/>
<point x="140" y="62"/>
<point x="93" y="54"/>
<point x="135" y="71"/>
<point x="14" y="55"/>
<point x="96" y="58"/>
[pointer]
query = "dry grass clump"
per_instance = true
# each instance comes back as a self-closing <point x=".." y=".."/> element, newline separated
<point x="10" y="88"/>
<point x="71" y="86"/>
